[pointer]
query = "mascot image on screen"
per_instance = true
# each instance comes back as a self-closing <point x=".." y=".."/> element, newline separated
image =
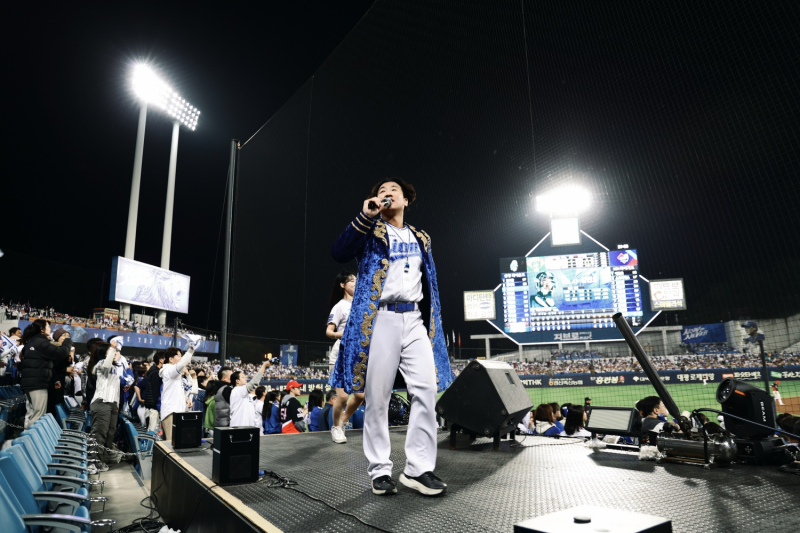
<point x="545" y="285"/>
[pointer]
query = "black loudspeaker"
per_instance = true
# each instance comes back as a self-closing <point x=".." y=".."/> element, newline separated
<point x="187" y="429"/>
<point x="235" y="455"/>
<point x="487" y="399"/>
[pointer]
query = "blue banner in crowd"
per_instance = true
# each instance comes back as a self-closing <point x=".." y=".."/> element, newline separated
<point x="703" y="333"/>
<point x="130" y="339"/>
<point x="289" y="354"/>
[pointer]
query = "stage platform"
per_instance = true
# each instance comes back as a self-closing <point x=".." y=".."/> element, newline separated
<point x="488" y="491"/>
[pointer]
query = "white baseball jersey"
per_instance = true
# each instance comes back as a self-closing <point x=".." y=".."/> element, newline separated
<point x="403" y="284"/>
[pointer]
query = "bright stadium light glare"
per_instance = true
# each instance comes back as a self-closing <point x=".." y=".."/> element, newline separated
<point x="563" y="201"/>
<point x="149" y="88"/>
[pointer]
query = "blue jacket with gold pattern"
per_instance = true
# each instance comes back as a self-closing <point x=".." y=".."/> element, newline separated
<point x="365" y="240"/>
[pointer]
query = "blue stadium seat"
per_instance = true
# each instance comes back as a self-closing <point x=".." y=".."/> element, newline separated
<point x="21" y="510"/>
<point x="142" y="446"/>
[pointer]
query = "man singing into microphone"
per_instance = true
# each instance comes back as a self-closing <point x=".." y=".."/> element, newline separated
<point x="395" y="323"/>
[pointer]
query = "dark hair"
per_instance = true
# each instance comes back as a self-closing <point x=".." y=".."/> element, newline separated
<point x="260" y="391"/>
<point x="221" y="372"/>
<point x="212" y="387"/>
<point x="556" y="408"/>
<point x="408" y="190"/>
<point x="235" y="376"/>
<point x="330" y="394"/>
<point x="337" y="292"/>
<point x="316" y="398"/>
<point x="787" y="423"/>
<point x="12" y="331"/>
<point x="574" y="420"/>
<point x="37" y="327"/>
<point x="268" y="401"/>
<point x="283" y="393"/>
<point x="648" y="405"/>
<point x="159" y="357"/>
<point x="99" y="350"/>
<point x="171" y="352"/>
<point x="544" y="413"/>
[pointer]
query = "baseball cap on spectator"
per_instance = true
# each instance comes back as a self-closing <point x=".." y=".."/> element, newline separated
<point x="750" y="324"/>
<point x="57" y="333"/>
<point x="292" y="384"/>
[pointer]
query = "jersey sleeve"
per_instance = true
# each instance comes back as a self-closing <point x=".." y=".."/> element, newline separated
<point x="353" y="239"/>
<point x="336" y="315"/>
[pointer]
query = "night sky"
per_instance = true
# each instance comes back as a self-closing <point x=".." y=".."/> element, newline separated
<point x="681" y="119"/>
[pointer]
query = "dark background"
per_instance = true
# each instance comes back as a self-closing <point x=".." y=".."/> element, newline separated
<point x="681" y="119"/>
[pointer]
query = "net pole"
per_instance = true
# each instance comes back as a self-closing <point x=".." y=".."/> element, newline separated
<point x="223" y="351"/>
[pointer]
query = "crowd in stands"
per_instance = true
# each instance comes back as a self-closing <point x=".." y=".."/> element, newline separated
<point x="665" y="362"/>
<point x="575" y="354"/>
<point x="19" y="311"/>
<point x="718" y="348"/>
<point x="106" y="384"/>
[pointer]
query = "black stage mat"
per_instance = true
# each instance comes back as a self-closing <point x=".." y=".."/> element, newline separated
<point x="492" y="490"/>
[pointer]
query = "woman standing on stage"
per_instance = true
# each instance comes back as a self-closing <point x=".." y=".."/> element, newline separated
<point x="341" y="300"/>
<point x="395" y="324"/>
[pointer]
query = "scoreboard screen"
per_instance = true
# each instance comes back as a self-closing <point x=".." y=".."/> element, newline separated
<point x="570" y="292"/>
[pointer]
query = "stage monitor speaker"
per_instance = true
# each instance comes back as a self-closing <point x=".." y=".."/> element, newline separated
<point x="187" y="429"/>
<point x="487" y="398"/>
<point x="235" y="455"/>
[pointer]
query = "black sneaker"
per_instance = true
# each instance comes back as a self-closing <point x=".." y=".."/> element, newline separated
<point x="427" y="484"/>
<point x="384" y="485"/>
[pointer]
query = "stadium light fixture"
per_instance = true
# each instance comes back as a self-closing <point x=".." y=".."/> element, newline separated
<point x="152" y="91"/>
<point x="149" y="88"/>
<point x="563" y="201"/>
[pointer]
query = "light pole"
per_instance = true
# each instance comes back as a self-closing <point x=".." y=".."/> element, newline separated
<point x="133" y="208"/>
<point x="150" y="89"/>
<point x="182" y="113"/>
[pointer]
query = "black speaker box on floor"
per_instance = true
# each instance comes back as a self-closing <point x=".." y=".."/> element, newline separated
<point x="187" y="429"/>
<point x="235" y="455"/>
<point x="487" y="398"/>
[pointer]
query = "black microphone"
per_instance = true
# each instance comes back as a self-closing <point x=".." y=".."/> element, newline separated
<point x="386" y="202"/>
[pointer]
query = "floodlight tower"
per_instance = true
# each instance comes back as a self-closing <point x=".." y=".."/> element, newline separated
<point x="151" y="90"/>
<point x="564" y="204"/>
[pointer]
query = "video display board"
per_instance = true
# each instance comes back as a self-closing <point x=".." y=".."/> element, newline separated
<point x="138" y="283"/>
<point x="571" y="292"/>
<point x="479" y="305"/>
<point x="667" y="295"/>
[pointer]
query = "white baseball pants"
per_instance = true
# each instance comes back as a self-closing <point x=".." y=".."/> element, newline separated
<point x="400" y="340"/>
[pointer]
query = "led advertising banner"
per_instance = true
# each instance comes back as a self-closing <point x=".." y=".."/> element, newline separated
<point x="704" y="333"/>
<point x="479" y="305"/>
<point x="138" y="283"/>
<point x="667" y="295"/>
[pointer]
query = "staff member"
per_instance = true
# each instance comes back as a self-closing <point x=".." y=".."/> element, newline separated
<point x="395" y="324"/>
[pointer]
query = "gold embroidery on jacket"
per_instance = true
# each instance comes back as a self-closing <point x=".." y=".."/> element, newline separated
<point x="358" y="378"/>
<point x="424" y="237"/>
<point x="360" y="223"/>
<point x="380" y="232"/>
<point x="358" y="229"/>
<point x="377" y="280"/>
<point x="366" y="324"/>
